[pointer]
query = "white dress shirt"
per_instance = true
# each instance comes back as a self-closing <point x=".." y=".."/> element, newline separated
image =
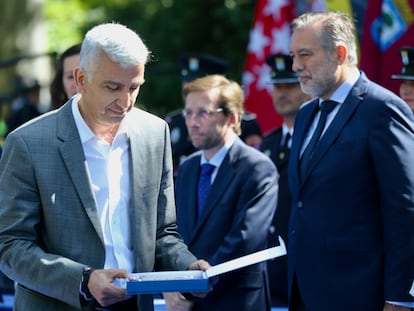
<point x="109" y="171"/>
<point x="339" y="96"/>
<point x="218" y="158"/>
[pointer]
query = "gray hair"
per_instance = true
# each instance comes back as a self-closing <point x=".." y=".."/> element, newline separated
<point x="121" y="44"/>
<point x="337" y="28"/>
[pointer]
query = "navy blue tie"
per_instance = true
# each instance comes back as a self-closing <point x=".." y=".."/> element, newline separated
<point x="204" y="184"/>
<point x="326" y="107"/>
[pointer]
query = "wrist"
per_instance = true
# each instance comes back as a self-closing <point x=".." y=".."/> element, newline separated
<point x="84" y="289"/>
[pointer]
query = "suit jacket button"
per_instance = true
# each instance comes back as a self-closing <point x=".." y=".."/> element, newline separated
<point x="300" y="204"/>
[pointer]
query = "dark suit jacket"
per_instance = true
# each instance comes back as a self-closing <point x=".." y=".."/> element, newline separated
<point x="50" y="227"/>
<point x="234" y="222"/>
<point x="351" y="228"/>
<point x="277" y="268"/>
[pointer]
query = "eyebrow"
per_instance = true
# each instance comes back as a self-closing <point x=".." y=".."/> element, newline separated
<point x="307" y="50"/>
<point x="121" y="84"/>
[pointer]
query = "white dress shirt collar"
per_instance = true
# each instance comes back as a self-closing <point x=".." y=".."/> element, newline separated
<point x="218" y="158"/>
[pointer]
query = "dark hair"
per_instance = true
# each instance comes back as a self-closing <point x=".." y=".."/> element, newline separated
<point x="57" y="93"/>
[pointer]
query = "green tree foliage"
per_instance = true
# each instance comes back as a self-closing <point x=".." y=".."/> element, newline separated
<point x="169" y="28"/>
<point x="65" y="23"/>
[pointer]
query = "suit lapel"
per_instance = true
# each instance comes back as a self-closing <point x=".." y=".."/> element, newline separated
<point x="73" y="157"/>
<point x="302" y="124"/>
<point x="223" y="178"/>
<point x="190" y="216"/>
<point x="338" y="123"/>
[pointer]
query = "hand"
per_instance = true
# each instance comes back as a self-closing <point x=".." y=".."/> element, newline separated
<point x="103" y="290"/>
<point x="177" y="302"/>
<point x="389" y="307"/>
<point x="199" y="265"/>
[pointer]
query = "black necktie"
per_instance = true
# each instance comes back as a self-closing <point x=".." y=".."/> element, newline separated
<point x="287" y="140"/>
<point x="204" y="184"/>
<point x="284" y="149"/>
<point x="326" y="107"/>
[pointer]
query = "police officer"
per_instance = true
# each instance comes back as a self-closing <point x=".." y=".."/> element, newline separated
<point x="287" y="98"/>
<point x="406" y="76"/>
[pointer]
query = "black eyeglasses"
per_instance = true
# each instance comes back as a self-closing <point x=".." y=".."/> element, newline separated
<point x="202" y="114"/>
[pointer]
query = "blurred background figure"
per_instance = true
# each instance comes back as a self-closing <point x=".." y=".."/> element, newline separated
<point x="406" y="76"/>
<point x="287" y="98"/>
<point x="63" y="85"/>
<point x="25" y="103"/>
<point x="193" y="66"/>
<point x="251" y="132"/>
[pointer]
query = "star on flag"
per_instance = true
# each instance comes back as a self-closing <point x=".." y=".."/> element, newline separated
<point x="270" y="34"/>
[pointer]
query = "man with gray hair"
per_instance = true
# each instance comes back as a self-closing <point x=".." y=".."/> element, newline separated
<point x="86" y="191"/>
<point x="350" y="174"/>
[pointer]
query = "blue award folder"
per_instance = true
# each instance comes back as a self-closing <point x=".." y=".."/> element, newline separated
<point x="194" y="281"/>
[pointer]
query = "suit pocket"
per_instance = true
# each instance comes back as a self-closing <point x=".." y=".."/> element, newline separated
<point x="352" y="245"/>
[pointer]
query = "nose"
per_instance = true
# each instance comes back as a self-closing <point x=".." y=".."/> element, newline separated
<point x="126" y="99"/>
<point x="296" y="64"/>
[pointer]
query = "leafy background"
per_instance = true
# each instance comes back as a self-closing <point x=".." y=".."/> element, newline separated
<point x="169" y="28"/>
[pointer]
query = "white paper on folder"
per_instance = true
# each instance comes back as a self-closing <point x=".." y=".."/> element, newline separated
<point x="227" y="266"/>
<point x="248" y="260"/>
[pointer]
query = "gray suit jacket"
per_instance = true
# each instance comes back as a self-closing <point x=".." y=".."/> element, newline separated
<point x="49" y="227"/>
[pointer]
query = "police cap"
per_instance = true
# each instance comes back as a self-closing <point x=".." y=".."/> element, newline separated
<point x="281" y="69"/>
<point x="407" y="58"/>
<point x="195" y="66"/>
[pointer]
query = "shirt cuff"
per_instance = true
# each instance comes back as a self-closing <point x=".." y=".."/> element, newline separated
<point x="401" y="304"/>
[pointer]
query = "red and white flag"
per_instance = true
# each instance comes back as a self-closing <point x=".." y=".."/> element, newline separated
<point x="270" y="34"/>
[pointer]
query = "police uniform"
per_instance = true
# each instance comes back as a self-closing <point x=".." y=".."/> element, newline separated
<point x="276" y="145"/>
<point x="249" y="127"/>
<point x="407" y="58"/>
<point x="180" y="141"/>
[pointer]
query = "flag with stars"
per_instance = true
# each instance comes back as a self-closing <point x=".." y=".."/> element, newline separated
<point x="270" y="34"/>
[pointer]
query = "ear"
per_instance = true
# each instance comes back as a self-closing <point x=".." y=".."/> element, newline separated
<point x="233" y="120"/>
<point x="80" y="79"/>
<point x="342" y="54"/>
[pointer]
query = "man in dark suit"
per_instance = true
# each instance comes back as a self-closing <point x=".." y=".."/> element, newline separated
<point x="235" y="217"/>
<point x="351" y="177"/>
<point x="287" y="98"/>
<point x="406" y="76"/>
<point x="86" y="191"/>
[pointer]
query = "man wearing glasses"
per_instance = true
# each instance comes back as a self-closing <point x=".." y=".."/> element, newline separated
<point x="226" y="196"/>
